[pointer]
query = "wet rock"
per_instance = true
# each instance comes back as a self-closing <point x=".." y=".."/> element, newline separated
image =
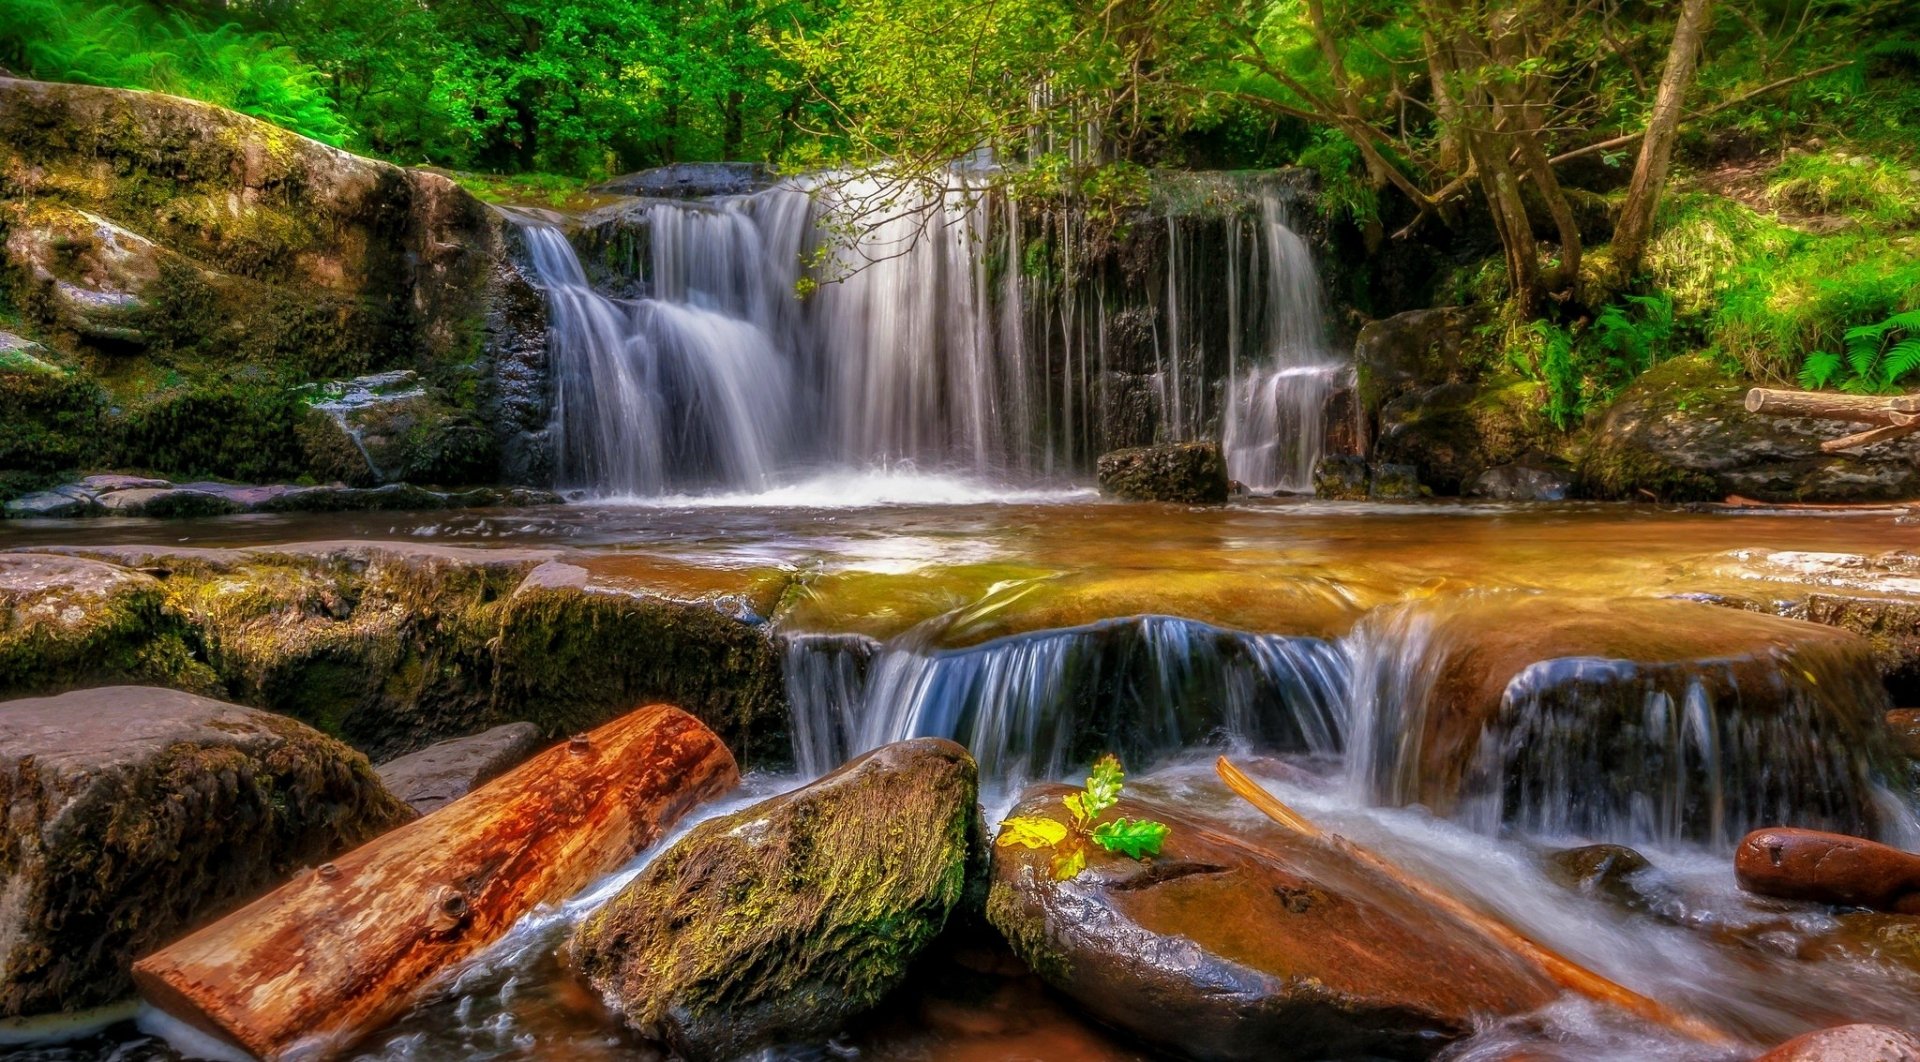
<point x="1341" y="478"/>
<point x="1565" y="715"/>
<point x="1412" y="351"/>
<point x="1890" y="624"/>
<point x="49" y="504"/>
<point x="1186" y="473"/>
<point x="445" y="771"/>
<point x="1831" y="868"/>
<point x="1681" y="432"/>
<point x="1524" y="481"/>
<point x="691" y="180"/>
<point x="1453" y="432"/>
<point x="68" y="621"/>
<point x="519" y="406"/>
<point x="1394" y="483"/>
<point x="1903" y="725"/>
<point x="1600" y="869"/>
<point x="582" y="640"/>
<point x="132" y="814"/>
<point x="1849" y="1043"/>
<point x="390" y="427"/>
<point x="1321" y="957"/>
<point x="783" y="921"/>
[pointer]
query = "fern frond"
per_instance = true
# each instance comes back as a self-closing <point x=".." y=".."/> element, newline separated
<point x="1819" y="370"/>
<point x="1902" y="359"/>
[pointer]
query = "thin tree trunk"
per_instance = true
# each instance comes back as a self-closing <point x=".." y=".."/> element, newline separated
<point x="1635" y="229"/>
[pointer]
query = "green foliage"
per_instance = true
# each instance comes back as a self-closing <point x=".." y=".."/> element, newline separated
<point x="1878" y="358"/>
<point x="1856" y="185"/>
<point x="130" y="45"/>
<point x="1136" y="839"/>
<point x="1587" y="365"/>
<point x="236" y="430"/>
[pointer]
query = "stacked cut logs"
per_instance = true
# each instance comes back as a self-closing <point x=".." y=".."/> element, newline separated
<point x="1894" y="416"/>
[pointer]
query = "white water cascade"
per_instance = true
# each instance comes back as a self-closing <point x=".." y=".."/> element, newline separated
<point x="1275" y="430"/>
<point x="927" y="341"/>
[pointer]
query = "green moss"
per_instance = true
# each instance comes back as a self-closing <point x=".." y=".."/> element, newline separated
<point x="61" y="639"/>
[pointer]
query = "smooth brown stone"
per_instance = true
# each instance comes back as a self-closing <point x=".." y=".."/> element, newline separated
<point x="1833" y="868"/>
<point x="1848" y="1043"/>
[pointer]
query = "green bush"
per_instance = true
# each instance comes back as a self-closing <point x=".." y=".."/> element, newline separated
<point x="1878" y="358"/>
<point x="1586" y="366"/>
<point x="233" y="430"/>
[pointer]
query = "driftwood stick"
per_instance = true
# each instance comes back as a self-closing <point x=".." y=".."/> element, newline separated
<point x="312" y="967"/>
<point x="1560" y="969"/>
<point x="1903" y="424"/>
<point x="1861" y="409"/>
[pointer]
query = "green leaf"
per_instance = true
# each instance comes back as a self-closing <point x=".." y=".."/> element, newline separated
<point x="1137" y="839"/>
<point x="1819" y="370"/>
<point x="1103" y="786"/>
<point x="1031" y="832"/>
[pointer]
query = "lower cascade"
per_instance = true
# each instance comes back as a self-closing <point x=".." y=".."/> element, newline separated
<point x="691" y="362"/>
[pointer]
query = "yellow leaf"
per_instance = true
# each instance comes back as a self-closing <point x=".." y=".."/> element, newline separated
<point x="1033" y="832"/>
<point x="1068" y="865"/>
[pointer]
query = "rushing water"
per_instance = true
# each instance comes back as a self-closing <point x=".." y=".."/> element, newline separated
<point x="924" y="342"/>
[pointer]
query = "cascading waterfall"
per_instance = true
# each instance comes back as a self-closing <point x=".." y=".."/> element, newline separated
<point x="1031" y="705"/>
<point x="928" y="340"/>
<point x="1275" y="430"/>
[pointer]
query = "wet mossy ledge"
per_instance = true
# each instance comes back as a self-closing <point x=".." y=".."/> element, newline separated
<point x="190" y="279"/>
<point x="392" y="647"/>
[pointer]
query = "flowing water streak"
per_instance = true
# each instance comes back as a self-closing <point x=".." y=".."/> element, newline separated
<point x="1032" y="705"/>
<point x="1274" y="425"/>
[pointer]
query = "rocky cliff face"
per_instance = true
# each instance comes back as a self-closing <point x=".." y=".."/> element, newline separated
<point x="190" y="266"/>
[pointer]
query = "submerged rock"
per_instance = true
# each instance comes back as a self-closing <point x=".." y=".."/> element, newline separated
<point x="132" y="814"/>
<point x="1830" y="868"/>
<point x="1681" y="432"/>
<point x="445" y="771"/>
<point x="1188" y="473"/>
<point x="1275" y="949"/>
<point x="1849" y="1043"/>
<point x="1524" y="481"/>
<point x="1600" y="869"/>
<point x="783" y="921"/>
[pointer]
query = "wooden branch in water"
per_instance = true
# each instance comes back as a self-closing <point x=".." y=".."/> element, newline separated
<point x="312" y="967"/>
<point x="1562" y="970"/>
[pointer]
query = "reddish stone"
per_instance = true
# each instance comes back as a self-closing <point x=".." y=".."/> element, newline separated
<point x="1903" y="724"/>
<point x="1828" y="868"/>
<point x="1848" y="1043"/>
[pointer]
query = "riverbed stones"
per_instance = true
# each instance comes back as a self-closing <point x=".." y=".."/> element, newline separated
<point x="1193" y="473"/>
<point x="445" y="771"/>
<point x="1830" y="868"/>
<point x="70" y="621"/>
<point x="132" y="814"/>
<point x="1237" y="944"/>
<point x="1849" y="1043"/>
<point x="782" y="921"/>
<point x="1569" y="715"/>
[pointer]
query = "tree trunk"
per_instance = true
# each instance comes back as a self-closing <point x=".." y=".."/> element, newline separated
<point x="1635" y="228"/>
<point x="314" y="966"/>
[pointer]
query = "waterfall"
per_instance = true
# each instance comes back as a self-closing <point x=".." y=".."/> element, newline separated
<point x="1275" y="430"/>
<point x="1031" y="705"/>
<point x="844" y="322"/>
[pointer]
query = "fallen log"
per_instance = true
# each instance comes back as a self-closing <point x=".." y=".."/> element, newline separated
<point x="309" y="969"/>
<point x="1861" y="409"/>
<point x="1562" y="970"/>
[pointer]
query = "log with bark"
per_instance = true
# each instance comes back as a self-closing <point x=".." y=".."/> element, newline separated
<point x="1895" y="415"/>
<point x="309" y="969"/>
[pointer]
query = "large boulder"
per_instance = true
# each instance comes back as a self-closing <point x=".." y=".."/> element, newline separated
<point x="1237" y="944"/>
<point x="1682" y="432"/>
<point x="781" y="922"/>
<point x="216" y="260"/>
<point x="1192" y="473"/>
<point x="1621" y="718"/>
<point x="445" y="771"/>
<point x="1414" y="351"/>
<point x="1454" y="432"/>
<point x="133" y="814"/>
<point x="69" y="621"/>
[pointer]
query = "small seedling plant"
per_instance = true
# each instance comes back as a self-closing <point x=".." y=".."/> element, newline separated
<point x="1136" y="839"/>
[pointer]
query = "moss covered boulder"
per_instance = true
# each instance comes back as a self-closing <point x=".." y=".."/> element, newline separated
<point x="133" y="814"/>
<point x="1453" y="432"/>
<point x="198" y="264"/>
<point x="70" y="621"/>
<point x="1247" y="943"/>
<point x="1188" y="473"/>
<point x="781" y="922"/>
<point x="1681" y="432"/>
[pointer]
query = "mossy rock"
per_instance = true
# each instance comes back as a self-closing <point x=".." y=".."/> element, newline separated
<point x="579" y="646"/>
<point x="67" y="622"/>
<point x="1186" y="473"/>
<point x="1453" y="432"/>
<point x="1681" y="432"/>
<point x="136" y="814"/>
<point x="781" y="922"/>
